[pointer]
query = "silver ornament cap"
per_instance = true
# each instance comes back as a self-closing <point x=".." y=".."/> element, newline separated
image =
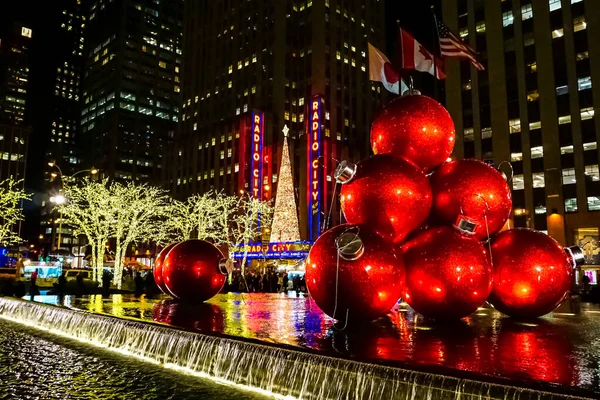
<point x="350" y="246"/>
<point x="345" y="171"/>
<point x="465" y="225"/>
<point x="575" y="255"/>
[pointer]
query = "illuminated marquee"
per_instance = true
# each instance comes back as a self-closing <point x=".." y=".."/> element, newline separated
<point x="286" y="250"/>
<point x="257" y="154"/>
<point x="314" y="175"/>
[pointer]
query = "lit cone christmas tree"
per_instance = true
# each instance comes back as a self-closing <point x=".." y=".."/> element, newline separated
<point x="285" y="226"/>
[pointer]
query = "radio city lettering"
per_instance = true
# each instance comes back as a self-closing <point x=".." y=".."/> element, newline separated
<point x="273" y="250"/>
<point x="315" y="130"/>
<point x="257" y="135"/>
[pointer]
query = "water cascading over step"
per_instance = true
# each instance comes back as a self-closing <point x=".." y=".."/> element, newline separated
<point x="282" y="372"/>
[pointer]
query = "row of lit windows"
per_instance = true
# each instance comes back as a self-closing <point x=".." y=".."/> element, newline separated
<point x="526" y="13"/>
<point x="12" y="157"/>
<point x="568" y="177"/>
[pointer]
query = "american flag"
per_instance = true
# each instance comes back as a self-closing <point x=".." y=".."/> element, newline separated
<point x="452" y="46"/>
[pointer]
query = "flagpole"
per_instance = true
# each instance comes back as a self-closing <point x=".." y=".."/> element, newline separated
<point x="436" y="35"/>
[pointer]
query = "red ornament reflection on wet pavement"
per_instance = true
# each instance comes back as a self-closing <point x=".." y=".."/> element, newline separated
<point x="532" y="273"/>
<point x="415" y="128"/>
<point x="389" y="195"/>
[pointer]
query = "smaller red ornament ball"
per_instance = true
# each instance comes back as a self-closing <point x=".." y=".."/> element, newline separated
<point x="388" y="194"/>
<point x="448" y="275"/>
<point x="416" y="128"/>
<point x="532" y="273"/>
<point x="370" y="278"/>
<point x="158" y="267"/>
<point x="191" y="271"/>
<point x="473" y="189"/>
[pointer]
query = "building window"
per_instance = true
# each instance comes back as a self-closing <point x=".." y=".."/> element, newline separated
<point x="562" y="90"/>
<point x="593" y="203"/>
<point x="230" y="69"/>
<point x="162" y="64"/>
<point x="538" y="180"/>
<point x="480" y="27"/>
<point x="507" y="18"/>
<point x="554" y="5"/>
<point x="590" y="146"/>
<point x="591" y="171"/>
<point x="568" y="176"/>
<point x="566" y="149"/>
<point x="514" y="125"/>
<point x="526" y="12"/>
<point x="565" y="119"/>
<point x="558" y="33"/>
<point x="516" y="157"/>
<point x="539" y="210"/>
<point x="571" y="205"/>
<point x="587" y="113"/>
<point x="518" y="183"/>
<point x="537" y="152"/>
<point x="464" y="32"/>
<point x="579" y="24"/>
<point x="584" y="83"/>
<point x="535" y="125"/>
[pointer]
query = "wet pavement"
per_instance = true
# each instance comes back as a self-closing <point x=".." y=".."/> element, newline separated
<point x="38" y="365"/>
<point x="559" y="350"/>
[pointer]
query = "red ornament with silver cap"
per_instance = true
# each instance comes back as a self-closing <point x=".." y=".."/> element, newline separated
<point x="532" y="272"/>
<point x="193" y="271"/>
<point x="415" y="128"/>
<point x="353" y="274"/>
<point x="470" y="192"/>
<point x="448" y="274"/>
<point x="388" y="194"/>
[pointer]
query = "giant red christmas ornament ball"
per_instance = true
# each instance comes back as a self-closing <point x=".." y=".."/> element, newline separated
<point x="474" y="190"/>
<point x="448" y="275"/>
<point x="416" y="128"/>
<point x="370" y="278"/>
<point x="390" y="195"/>
<point x="158" y="267"/>
<point x="532" y="273"/>
<point x="191" y="271"/>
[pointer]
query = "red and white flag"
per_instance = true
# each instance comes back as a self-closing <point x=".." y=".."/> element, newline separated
<point x="381" y="70"/>
<point x="415" y="56"/>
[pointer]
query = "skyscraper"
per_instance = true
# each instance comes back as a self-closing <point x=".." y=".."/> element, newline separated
<point x="534" y="106"/>
<point x="131" y="85"/>
<point x="251" y="67"/>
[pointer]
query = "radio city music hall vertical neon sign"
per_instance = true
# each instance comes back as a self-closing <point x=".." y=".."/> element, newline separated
<point x="314" y="177"/>
<point x="257" y="154"/>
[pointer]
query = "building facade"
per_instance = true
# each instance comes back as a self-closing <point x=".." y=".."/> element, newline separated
<point x="268" y="66"/>
<point x="534" y="106"/>
<point x="15" y="49"/>
<point x="131" y="86"/>
<point x="13" y="151"/>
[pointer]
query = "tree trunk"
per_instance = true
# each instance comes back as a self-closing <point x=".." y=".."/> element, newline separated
<point x="93" y="260"/>
<point x="118" y="264"/>
<point x="100" y="262"/>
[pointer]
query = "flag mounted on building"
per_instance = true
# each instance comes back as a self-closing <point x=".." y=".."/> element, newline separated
<point x="415" y="56"/>
<point x="381" y="70"/>
<point x="452" y="46"/>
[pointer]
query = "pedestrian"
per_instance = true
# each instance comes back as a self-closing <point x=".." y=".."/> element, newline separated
<point x="61" y="283"/>
<point x="106" y="278"/>
<point x="139" y="284"/>
<point x="286" y="280"/>
<point x="34" y="290"/>
<point x="279" y="283"/>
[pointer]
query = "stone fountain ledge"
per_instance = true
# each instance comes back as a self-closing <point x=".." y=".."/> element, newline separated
<point x="273" y="370"/>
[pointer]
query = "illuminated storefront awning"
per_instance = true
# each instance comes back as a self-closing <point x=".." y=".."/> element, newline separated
<point x="291" y="250"/>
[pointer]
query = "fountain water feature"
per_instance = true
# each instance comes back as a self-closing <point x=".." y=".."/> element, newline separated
<point x="277" y="371"/>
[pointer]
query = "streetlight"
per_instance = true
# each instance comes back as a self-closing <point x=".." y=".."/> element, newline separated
<point x="59" y="199"/>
